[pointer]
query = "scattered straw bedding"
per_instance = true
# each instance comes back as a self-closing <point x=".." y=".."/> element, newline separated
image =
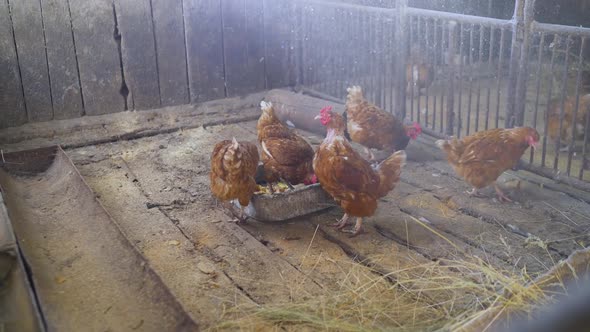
<point x="446" y="295"/>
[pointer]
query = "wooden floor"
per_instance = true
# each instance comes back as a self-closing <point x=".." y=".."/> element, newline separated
<point x="156" y="189"/>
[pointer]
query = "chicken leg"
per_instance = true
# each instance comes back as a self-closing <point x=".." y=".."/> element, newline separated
<point x="474" y="193"/>
<point x="358" y="228"/>
<point x="501" y="196"/>
<point x="238" y="218"/>
<point x="342" y="222"/>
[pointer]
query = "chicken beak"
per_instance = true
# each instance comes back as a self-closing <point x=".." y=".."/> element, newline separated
<point x="317" y="117"/>
<point x="535" y="146"/>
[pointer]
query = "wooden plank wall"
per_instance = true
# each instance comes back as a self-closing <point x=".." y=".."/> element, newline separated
<point x="62" y="59"/>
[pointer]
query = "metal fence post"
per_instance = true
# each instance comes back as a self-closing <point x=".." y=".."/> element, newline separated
<point x="401" y="50"/>
<point x="516" y="48"/>
<point x="523" y="72"/>
<point x="451" y="86"/>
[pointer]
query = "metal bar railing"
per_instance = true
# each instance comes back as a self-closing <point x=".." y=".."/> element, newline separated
<point x="576" y="107"/>
<point x="561" y="29"/>
<point x="499" y="76"/>
<point x="490" y="68"/>
<point x="460" y="97"/>
<point x="479" y="62"/>
<point x="549" y="93"/>
<point x="459" y="18"/>
<point x="562" y="102"/>
<point x="538" y="88"/>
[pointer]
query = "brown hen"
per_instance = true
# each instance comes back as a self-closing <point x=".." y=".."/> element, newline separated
<point x="418" y="76"/>
<point x="374" y="128"/>
<point x="349" y="178"/>
<point x="285" y="155"/>
<point x="568" y="124"/>
<point x="233" y="170"/>
<point x="482" y="157"/>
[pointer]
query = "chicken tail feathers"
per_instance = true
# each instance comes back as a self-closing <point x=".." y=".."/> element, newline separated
<point x="265" y="105"/>
<point x="442" y="144"/>
<point x="354" y="93"/>
<point x="389" y="172"/>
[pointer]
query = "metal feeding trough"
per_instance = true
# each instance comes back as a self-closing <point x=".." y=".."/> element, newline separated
<point x="287" y="205"/>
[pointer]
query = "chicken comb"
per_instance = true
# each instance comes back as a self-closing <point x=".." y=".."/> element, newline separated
<point x="326" y="109"/>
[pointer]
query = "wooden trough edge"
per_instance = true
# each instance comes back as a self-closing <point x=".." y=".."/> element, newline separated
<point x="29" y="166"/>
<point x="31" y="318"/>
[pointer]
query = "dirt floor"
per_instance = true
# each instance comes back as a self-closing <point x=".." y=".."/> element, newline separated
<point x="156" y="188"/>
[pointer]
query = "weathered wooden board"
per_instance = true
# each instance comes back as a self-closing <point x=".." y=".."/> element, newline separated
<point x="98" y="56"/>
<point x="12" y="106"/>
<point x="202" y="20"/>
<point x="32" y="58"/>
<point x="170" y="52"/>
<point x="61" y="57"/>
<point x="279" y="30"/>
<point x="139" y="52"/>
<point x="243" y="37"/>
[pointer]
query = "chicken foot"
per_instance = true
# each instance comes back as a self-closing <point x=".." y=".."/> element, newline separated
<point x="474" y="193"/>
<point x="238" y="218"/>
<point x="342" y="222"/>
<point x="501" y="196"/>
<point x="358" y="228"/>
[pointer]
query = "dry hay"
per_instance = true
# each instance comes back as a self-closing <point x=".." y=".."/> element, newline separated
<point x="446" y="295"/>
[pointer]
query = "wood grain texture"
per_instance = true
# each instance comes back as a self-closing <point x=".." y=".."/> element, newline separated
<point x="139" y="52"/>
<point x="171" y="51"/>
<point x="243" y="36"/>
<point x="98" y="56"/>
<point x="202" y="19"/>
<point x="279" y="28"/>
<point x="30" y="45"/>
<point x="61" y="58"/>
<point x="12" y="106"/>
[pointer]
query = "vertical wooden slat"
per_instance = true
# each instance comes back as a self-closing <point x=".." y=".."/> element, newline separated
<point x="98" y="56"/>
<point x="61" y="57"/>
<point x="170" y="52"/>
<point x="243" y="36"/>
<point x="202" y="19"/>
<point x="12" y="106"/>
<point x="277" y="33"/>
<point x="139" y="52"/>
<point x="32" y="57"/>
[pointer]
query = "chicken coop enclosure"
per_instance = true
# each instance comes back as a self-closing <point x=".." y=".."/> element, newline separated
<point x="109" y="110"/>
<point x="65" y="59"/>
